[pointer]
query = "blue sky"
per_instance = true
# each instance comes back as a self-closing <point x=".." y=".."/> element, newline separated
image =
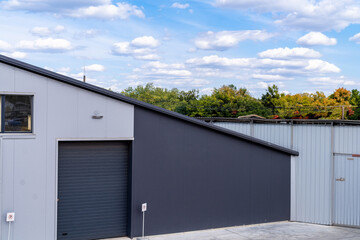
<point x="299" y="45"/>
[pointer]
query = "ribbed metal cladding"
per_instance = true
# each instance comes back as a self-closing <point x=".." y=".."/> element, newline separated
<point x="238" y="127"/>
<point x="347" y="194"/>
<point x="313" y="174"/>
<point x="316" y="195"/>
<point x="347" y="139"/>
<point x="311" y="193"/>
<point x="279" y="134"/>
<point x="92" y="190"/>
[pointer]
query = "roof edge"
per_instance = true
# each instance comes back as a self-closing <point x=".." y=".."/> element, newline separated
<point x="118" y="96"/>
<point x="280" y="121"/>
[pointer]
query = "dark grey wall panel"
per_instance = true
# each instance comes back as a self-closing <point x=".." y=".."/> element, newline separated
<point x="93" y="190"/>
<point x="195" y="178"/>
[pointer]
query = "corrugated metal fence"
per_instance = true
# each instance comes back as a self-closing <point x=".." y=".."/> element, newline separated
<point x="313" y="181"/>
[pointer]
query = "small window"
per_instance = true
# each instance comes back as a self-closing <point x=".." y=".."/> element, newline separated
<point x="16" y="114"/>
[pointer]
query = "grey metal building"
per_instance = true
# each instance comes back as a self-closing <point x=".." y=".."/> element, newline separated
<point x="77" y="162"/>
<point x="326" y="174"/>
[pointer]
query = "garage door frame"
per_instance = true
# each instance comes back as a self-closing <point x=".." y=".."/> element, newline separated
<point x="130" y="140"/>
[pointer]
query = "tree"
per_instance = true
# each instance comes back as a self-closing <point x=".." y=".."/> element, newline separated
<point x="354" y="112"/>
<point x="230" y="101"/>
<point x="341" y="96"/>
<point x="271" y="98"/>
<point x="154" y="95"/>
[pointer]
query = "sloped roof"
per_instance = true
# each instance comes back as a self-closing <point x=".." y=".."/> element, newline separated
<point x="118" y="96"/>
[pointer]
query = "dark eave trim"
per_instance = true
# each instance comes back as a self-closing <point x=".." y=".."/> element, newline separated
<point x="118" y="96"/>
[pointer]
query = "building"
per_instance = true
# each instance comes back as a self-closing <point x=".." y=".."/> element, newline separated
<point x="326" y="174"/>
<point x="78" y="162"/>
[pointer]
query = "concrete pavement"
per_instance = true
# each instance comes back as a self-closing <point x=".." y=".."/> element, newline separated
<point x="269" y="231"/>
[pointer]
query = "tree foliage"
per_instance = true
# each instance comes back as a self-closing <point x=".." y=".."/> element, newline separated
<point x="230" y="101"/>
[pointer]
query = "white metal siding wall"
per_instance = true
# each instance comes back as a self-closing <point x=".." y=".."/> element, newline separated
<point x="313" y="174"/>
<point x="275" y="133"/>
<point x="238" y="127"/>
<point x="312" y="178"/>
<point x="347" y="139"/>
<point x="29" y="167"/>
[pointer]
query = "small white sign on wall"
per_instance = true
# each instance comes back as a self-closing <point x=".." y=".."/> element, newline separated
<point x="144" y="207"/>
<point x="10" y="217"/>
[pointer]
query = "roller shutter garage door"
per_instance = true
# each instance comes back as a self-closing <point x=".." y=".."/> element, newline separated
<point x="92" y="190"/>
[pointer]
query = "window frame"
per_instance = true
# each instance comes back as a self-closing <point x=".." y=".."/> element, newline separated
<point x="2" y="113"/>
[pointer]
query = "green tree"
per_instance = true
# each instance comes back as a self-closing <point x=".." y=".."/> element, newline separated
<point x="161" y="97"/>
<point x="354" y="113"/>
<point x="271" y="98"/>
<point x="228" y="101"/>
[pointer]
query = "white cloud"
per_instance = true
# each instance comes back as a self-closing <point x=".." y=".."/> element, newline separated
<point x="160" y="65"/>
<point x="50" y="5"/>
<point x="316" y="38"/>
<point x="271" y="77"/>
<point x="64" y="69"/>
<point x="17" y="55"/>
<point x="165" y="69"/>
<point x="319" y="15"/>
<point x="325" y="81"/>
<point x="355" y="38"/>
<point x="45" y="31"/>
<point x="145" y="42"/>
<point x="150" y="57"/>
<point x="285" y="92"/>
<point x="216" y="61"/>
<point x="59" y="28"/>
<point x="102" y="9"/>
<point x="322" y="66"/>
<point x="182" y="82"/>
<point x="274" y="66"/>
<point x="220" y="62"/>
<point x="258" y="87"/>
<point x="122" y="48"/>
<point x="179" y="5"/>
<point x="4" y="46"/>
<point x="80" y="76"/>
<point x="40" y="31"/>
<point x="109" y="11"/>
<point x="168" y="74"/>
<point x="265" y="69"/>
<point x="265" y="5"/>
<point x="46" y="44"/>
<point x="141" y="48"/>
<point x="284" y="53"/>
<point x="263" y="85"/>
<point x="95" y="68"/>
<point x="276" y="63"/>
<point x="171" y="72"/>
<point x="226" y="39"/>
<point x="89" y="33"/>
<point x="206" y="91"/>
